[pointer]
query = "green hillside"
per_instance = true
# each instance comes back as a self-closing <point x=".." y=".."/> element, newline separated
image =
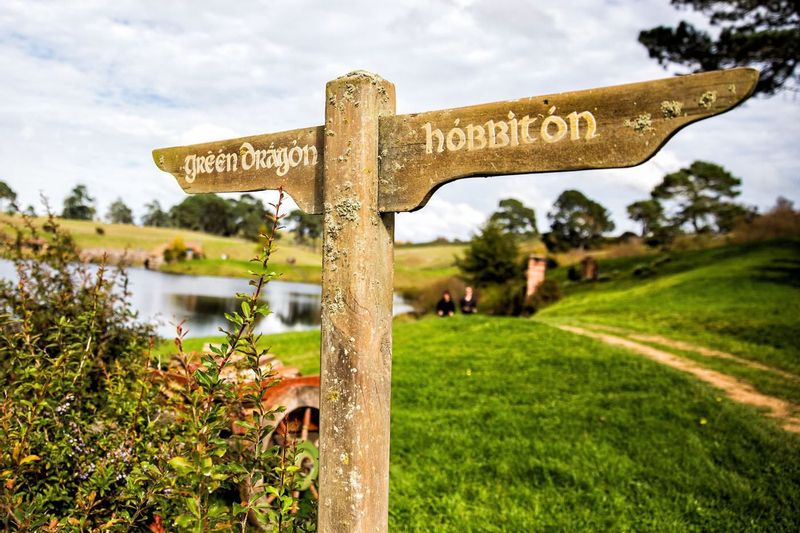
<point x="743" y="299"/>
<point x="415" y="265"/>
<point x="502" y="424"/>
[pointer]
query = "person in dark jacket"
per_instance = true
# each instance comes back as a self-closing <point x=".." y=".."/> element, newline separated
<point x="469" y="304"/>
<point x="446" y="306"/>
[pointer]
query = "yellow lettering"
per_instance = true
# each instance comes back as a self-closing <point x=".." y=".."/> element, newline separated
<point x="524" y="127"/>
<point x="561" y="129"/>
<point x="574" y="124"/>
<point x="497" y="139"/>
<point x="429" y="134"/>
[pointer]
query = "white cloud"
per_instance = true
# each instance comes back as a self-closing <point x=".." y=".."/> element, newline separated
<point x="90" y="88"/>
<point x="439" y="218"/>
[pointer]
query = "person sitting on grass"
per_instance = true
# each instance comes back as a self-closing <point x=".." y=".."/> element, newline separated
<point x="446" y="306"/>
<point x="469" y="304"/>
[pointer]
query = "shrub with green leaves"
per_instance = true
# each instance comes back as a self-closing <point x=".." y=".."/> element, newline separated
<point x="77" y="408"/>
<point x="95" y="436"/>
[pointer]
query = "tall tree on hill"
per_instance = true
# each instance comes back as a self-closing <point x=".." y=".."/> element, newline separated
<point x="516" y="218"/>
<point x="648" y="213"/>
<point x="702" y="194"/>
<point x="154" y="215"/>
<point x="763" y="34"/>
<point x="119" y="213"/>
<point x="491" y="258"/>
<point x="79" y="205"/>
<point x="577" y="221"/>
<point x="7" y="196"/>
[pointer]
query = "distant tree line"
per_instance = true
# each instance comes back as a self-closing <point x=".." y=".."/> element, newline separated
<point x="244" y="217"/>
<point x="699" y="199"/>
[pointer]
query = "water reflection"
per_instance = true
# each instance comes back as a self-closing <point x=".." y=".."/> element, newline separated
<point x="302" y="309"/>
<point x="203" y="311"/>
<point x="201" y="301"/>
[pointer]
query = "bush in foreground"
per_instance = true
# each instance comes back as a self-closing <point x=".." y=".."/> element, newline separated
<point x="88" y="438"/>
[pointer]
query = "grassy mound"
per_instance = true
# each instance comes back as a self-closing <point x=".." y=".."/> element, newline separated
<point x="744" y="299"/>
<point x="503" y="424"/>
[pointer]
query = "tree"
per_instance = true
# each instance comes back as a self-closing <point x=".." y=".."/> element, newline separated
<point x="7" y="195"/>
<point x="782" y="205"/>
<point x="204" y="212"/>
<point x="154" y="215"/>
<point x="491" y="258"/>
<point x="119" y="213"/>
<point x="249" y="216"/>
<point x="78" y="205"/>
<point x="306" y="227"/>
<point x="577" y="221"/>
<point x="752" y="32"/>
<point x="728" y="215"/>
<point x="648" y="213"/>
<point x="515" y="218"/>
<point x="700" y="192"/>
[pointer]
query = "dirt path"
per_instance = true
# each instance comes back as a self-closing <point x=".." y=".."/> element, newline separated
<point x="738" y="390"/>
<point x="688" y="347"/>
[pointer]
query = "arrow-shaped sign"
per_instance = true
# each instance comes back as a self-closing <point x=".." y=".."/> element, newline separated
<point x="609" y="127"/>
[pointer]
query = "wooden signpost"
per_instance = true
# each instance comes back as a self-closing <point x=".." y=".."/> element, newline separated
<point x="365" y="164"/>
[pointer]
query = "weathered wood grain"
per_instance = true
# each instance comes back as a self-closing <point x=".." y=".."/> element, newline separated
<point x="289" y="159"/>
<point x="356" y="326"/>
<point x="631" y="123"/>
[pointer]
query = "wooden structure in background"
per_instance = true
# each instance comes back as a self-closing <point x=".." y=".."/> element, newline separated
<point x="535" y="274"/>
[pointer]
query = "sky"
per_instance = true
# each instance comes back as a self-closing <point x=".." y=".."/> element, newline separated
<point x="89" y="88"/>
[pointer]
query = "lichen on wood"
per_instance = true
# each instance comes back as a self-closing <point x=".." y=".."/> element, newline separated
<point x="337" y="305"/>
<point x="348" y="208"/>
<point x="641" y="124"/>
<point x="671" y="108"/>
<point x="707" y="99"/>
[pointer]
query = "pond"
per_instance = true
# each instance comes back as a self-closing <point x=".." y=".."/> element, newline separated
<point x="167" y="299"/>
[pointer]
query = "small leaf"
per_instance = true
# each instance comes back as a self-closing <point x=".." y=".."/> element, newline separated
<point x="29" y="459"/>
<point x="180" y="464"/>
<point x="183" y="521"/>
<point x="219" y="452"/>
<point x="193" y="506"/>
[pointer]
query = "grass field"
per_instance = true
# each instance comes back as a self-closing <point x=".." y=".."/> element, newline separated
<point x="126" y="236"/>
<point x="502" y="424"/>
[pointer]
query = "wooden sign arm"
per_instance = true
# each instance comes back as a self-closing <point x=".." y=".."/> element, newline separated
<point x="610" y="127"/>
<point x="291" y="160"/>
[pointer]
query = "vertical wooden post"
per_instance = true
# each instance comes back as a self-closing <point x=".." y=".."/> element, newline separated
<point x="357" y="279"/>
